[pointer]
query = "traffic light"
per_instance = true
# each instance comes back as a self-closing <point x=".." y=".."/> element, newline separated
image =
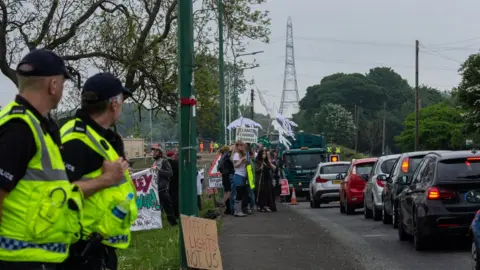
<point x="334" y="158"/>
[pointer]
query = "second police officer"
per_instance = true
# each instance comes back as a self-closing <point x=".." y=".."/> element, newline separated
<point x="110" y="200"/>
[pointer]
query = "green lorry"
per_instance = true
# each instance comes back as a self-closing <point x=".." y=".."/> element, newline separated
<point x="300" y="161"/>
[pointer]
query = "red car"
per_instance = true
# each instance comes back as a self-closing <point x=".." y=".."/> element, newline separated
<point x="353" y="184"/>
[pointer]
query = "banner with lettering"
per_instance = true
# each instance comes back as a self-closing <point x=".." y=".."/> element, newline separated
<point x="149" y="210"/>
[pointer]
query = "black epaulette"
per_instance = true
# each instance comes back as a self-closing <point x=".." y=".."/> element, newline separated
<point x="18" y="110"/>
<point x="80" y="127"/>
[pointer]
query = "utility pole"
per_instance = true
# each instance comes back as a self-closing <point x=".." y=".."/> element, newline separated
<point x="221" y="71"/>
<point x="383" y="132"/>
<point x="187" y="127"/>
<point x="252" y="99"/>
<point x="357" y="116"/>
<point x="417" y="48"/>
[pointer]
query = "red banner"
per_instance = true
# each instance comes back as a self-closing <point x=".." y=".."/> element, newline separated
<point x="284" y="187"/>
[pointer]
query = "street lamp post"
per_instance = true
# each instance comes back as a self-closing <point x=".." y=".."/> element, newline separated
<point x="235" y="79"/>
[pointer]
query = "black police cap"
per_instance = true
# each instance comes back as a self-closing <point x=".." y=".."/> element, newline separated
<point x="102" y="87"/>
<point x="42" y="62"/>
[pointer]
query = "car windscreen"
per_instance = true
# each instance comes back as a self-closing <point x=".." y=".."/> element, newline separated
<point x="303" y="161"/>
<point x="459" y="169"/>
<point x="334" y="169"/>
<point x="364" y="168"/>
<point x="387" y="165"/>
<point x="413" y="163"/>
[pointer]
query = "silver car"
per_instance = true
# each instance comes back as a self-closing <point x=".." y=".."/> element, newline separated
<point x="324" y="186"/>
<point x="372" y="194"/>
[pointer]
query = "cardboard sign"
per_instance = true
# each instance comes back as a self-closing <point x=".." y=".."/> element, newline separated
<point x="201" y="243"/>
<point x="148" y="203"/>
<point x="285" y="189"/>
<point x="247" y="135"/>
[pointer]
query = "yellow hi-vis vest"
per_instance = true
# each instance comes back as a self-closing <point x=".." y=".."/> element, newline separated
<point x="98" y="216"/>
<point x="37" y="223"/>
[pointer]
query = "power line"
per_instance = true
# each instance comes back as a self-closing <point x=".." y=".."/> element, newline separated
<point x="364" y="42"/>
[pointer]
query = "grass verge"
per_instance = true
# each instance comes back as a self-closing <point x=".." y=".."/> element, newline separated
<point x="157" y="249"/>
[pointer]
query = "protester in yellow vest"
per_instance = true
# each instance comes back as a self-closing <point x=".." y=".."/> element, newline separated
<point x="88" y="143"/>
<point x="39" y="209"/>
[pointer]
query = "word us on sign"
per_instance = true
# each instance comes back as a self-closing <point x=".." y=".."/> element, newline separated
<point x="247" y="135"/>
<point x="201" y="243"/>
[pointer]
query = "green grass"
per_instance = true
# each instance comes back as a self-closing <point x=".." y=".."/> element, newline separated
<point x="157" y="249"/>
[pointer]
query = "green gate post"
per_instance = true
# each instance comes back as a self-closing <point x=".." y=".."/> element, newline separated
<point x="187" y="127"/>
<point x="221" y="71"/>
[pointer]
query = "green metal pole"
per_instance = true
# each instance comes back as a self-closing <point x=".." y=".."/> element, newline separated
<point x="187" y="127"/>
<point x="221" y="71"/>
<point x="235" y="90"/>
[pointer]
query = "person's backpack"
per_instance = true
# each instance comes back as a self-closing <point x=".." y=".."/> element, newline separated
<point x="225" y="165"/>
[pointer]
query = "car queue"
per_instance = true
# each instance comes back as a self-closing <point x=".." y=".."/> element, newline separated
<point x="424" y="195"/>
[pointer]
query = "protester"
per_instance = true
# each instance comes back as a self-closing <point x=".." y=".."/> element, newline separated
<point x="95" y="160"/>
<point x="251" y="202"/>
<point x="174" y="182"/>
<point x="164" y="172"/>
<point x="239" y="160"/>
<point x="276" y="190"/>
<point x="199" y="188"/>
<point x="28" y="169"/>
<point x="225" y="167"/>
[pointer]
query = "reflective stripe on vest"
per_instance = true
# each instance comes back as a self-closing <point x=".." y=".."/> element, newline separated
<point x="13" y="244"/>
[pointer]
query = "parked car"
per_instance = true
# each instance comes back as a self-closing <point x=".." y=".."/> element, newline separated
<point x="372" y="195"/>
<point x="394" y="184"/>
<point x="353" y="184"/>
<point x="325" y="185"/>
<point x="441" y="198"/>
<point x="475" y="233"/>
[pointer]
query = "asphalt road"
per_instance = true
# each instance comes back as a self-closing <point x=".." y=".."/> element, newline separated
<point x="376" y="246"/>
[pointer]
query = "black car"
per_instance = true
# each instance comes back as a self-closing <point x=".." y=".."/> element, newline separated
<point x="441" y="198"/>
<point x="395" y="183"/>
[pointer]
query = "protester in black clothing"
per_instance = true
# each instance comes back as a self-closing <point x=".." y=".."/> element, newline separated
<point x="263" y="168"/>
<point x="276" y="190"/>
<point x="164" y="173"/>
<point x="174" y="184"/>
<point x="225" y="167"/>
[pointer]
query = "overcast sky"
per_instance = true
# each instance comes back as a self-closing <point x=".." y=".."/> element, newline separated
<point x="354" y="36"/>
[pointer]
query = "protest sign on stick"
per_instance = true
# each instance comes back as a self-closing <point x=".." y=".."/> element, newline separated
<point x="148" y="203"/>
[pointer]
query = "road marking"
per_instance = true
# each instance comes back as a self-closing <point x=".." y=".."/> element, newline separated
<point x="374" y="235"/>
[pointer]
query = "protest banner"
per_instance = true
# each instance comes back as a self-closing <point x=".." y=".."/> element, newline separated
<point x="148" y="203"/>
<point x="247" y="135"/>
<point x="285" y="189"/>
<point x="201" y="243"/>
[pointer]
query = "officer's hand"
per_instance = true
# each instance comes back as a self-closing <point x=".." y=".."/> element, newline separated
<point x="114" y="171"/>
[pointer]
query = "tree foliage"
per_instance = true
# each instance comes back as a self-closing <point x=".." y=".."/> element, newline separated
<point x="133" y="39"/>
<point x="440" y="127"/>
<point x="368" y="92"/>
<point x="336" y="124"/>
<point x="468" y="91"/>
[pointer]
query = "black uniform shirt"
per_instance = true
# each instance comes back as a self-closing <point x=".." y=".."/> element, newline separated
<point x="79" y="158"/>
<point x="17" y="145"/>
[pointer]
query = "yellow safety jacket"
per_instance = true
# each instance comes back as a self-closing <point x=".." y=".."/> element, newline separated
<point x="37" y="223"/>
<point x="98" y="216"/>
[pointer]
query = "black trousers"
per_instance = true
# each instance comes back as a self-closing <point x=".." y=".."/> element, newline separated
<point x="100" y="257"/>
<point x="167" y="206"/>
<point x="175" y="202"/>
<point x="28" y="266"/>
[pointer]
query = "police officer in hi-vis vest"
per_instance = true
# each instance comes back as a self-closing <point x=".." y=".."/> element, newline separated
<point x="40" y="209"/>
<point x="110" y="204"/>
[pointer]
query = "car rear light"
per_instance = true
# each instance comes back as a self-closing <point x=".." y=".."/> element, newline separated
<point x="434" y="193"/>
<point x="320" y="180"/>
<point x="405" y="164"/>
<point x="380" y="183"/>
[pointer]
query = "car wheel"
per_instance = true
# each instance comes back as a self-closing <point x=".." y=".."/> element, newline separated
<point x="419" y="241"/>
<point x="402" y="235"/>
<point x="394" y="216"/>
<point x="316" y="203"/>
<point x="376" y="214"/>
<point x="311" y="204"/>
<point x="475" y="262"/>
<point x="367" y="213"/>
<point x="349" y="209"/>
<point x="342" y="208"/>
<point x="386" y="218"/>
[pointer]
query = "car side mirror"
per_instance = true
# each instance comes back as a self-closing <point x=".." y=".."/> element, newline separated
<point x="364" y="177"/>
<point x="382" y="177"/>
<point x="404" y="180"/>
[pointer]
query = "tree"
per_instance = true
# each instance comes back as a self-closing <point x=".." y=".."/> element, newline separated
<point x="336" y="123"/>
<point x="133" y="39"/>
<point x="372" y="133"/>
<point x="440" y="127"/>
<point x="468" y="92"/>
